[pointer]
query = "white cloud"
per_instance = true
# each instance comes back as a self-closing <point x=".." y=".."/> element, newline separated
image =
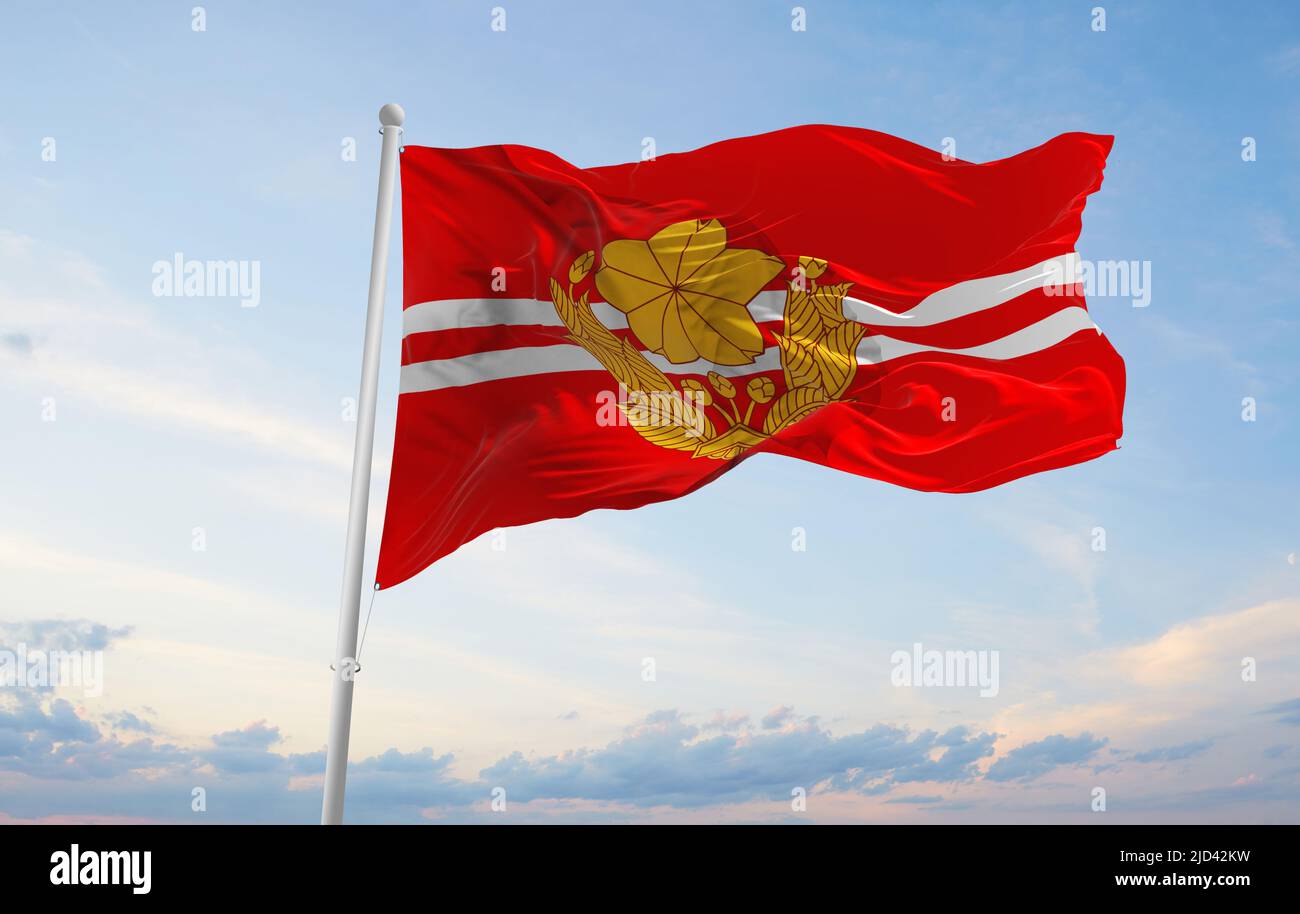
<point x="84" y="334"/>
<point x="1211" y="649"/>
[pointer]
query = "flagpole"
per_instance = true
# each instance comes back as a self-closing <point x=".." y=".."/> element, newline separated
<point x="345" y="649"/>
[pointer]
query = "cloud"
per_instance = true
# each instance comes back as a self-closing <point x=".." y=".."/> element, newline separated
<point x="55" y="763"/>
<point x="1033" y="760"/>
<point x="1287" y="60"/>
<point x="661" y="761"/>
<point x="916" y="800"/>
<point x="1173" y="753"/>
<point x="60" y="634"/>
<point x="1064" y="546"/>
<point x="125" y="720"/>
<point x="1272" y="230"/>
<point x="1203" y="649"/>
<point x="256" y="736"/>
<point x="727" y="723"/>
<point x="34" y="556"/>
<point x="1181" y="341"/>
<point x="33" y="727"/>
<point x="1287" y="712"/>
<point x="171" y="401"/>
<point x="20" y="343"/>
<point x="64" y="317"/>
<point x="665" y="760"/>
<point x="777" y="717"/>
<point x="1274" y="797"/>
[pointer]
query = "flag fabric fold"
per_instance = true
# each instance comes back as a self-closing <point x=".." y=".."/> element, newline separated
<point x="610" y="337"/>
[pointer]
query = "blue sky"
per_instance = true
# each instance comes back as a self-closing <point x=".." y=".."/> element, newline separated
<point x="522" y="668"/>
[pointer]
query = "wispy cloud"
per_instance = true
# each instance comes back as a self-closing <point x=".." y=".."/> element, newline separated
<point x="60" y="318"/>
<point x="1174" y="753"/>
<point x="1286" y="712"/>
<point x="1287" y="60"/>
<point x="60" y="634"/>
<point x="1033" y="760"/>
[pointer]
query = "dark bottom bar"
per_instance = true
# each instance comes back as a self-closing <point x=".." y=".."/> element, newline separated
<point x="244" y="862"/>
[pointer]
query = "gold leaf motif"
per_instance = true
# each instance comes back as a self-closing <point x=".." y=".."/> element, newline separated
<point x="813" y="267"/>
<point x="792" y="406"/>
<point x="802" y="322"/>
<point x="667" y="419"/>
<point x="797" y="362"/>
<point x="685" y="293"/>
<point x="836" y="358"/>
<point x="581" y="267"/>
<point x="686" y="296"/>
<point x="731" y="443"/>
<point x="829" y="304"/>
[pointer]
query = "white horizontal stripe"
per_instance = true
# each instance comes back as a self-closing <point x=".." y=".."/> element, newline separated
<point x="961" y="299"/>
<point x="454" y="314"/>
<point x="954" y="301"/>
<point x="1038" y="336"/>
<point x="494" y="366"/>
<point x="516" y="363"/>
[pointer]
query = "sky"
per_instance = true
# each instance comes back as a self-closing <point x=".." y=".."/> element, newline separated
<point x="175" y="469"/>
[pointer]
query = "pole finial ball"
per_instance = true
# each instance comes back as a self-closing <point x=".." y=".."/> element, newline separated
<point x="391" y="115"/>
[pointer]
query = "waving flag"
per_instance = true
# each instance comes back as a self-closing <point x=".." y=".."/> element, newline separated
<point x="609" y="337"/>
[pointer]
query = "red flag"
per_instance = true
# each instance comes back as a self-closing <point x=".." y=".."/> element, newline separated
<point x="579" y="338"/>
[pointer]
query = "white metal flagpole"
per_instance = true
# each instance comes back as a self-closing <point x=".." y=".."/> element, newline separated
<point x="345" y="649"/>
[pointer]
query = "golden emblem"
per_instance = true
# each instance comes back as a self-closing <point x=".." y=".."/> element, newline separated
<point x="686" y="296"/>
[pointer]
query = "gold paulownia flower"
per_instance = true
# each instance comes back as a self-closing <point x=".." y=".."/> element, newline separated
<point x="685" y="293"/>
